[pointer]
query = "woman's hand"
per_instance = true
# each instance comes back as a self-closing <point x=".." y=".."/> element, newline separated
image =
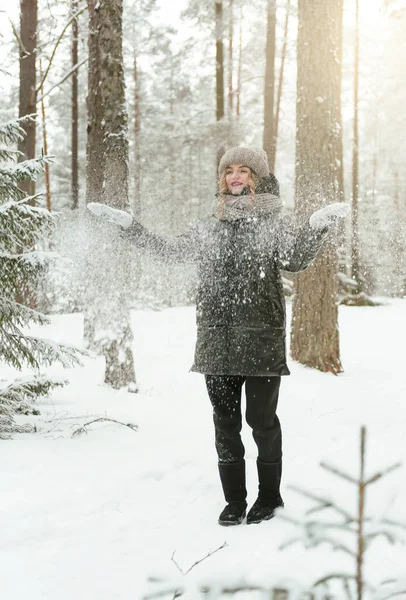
<point x="329" y="215"/>
<point x="112" y="215"/>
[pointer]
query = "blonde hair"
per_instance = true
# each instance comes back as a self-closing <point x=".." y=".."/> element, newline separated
<point x="224" y="191"/>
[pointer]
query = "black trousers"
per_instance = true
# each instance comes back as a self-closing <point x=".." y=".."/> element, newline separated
<point x="261" y="404"/>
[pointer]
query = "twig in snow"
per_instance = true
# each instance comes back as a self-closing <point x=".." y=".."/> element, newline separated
<point x="198" y="561"/>
<point x="83" y="430"/>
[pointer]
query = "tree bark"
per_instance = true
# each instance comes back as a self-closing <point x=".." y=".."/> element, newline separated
<point x="355" y="256"/>
<point x="28" y="96"/>
<point x="75" y="111"/>
<point x="137" y="142"/>
<point x="109" y="315"/>
<point x="280" y="87"/>
<point x="45" y="146"/>
<point x="230" y="61"/>
<point x="269" y="89"/>
<point x="219" y="62"/>
<point x="94" y="146"/>
<point x="314" y="333"/>
<point x="238" y="103"/>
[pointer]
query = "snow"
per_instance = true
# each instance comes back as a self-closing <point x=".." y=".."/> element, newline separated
<point x="95" y="515"/>
<point x="329" y="214"/>
<point x="113" y="215"/>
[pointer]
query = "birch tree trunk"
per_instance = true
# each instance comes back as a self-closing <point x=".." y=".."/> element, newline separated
<point x="28" y="96"/>
<point x="314" y="333"/>
<point x="269" y="89"/>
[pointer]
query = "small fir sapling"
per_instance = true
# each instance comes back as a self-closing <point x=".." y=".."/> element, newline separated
<point x="361" y="530"/>
<point x="22" y="226"/>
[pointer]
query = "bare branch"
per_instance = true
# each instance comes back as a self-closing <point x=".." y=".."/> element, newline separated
<point x="73" y="17"/>
<point x="64" y="78"/>
<point x="83" y="430"/>
<point x="338" y="472"/>
<point x="382" y="473"/>
<point x="18" y="38"/>
<point x="198" y="561"/>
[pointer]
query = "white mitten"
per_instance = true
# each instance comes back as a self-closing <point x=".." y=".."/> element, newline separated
<point x="113" y="215"/>
<point x="329" y="215"/>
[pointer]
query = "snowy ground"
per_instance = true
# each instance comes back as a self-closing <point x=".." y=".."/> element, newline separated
<point x="92" y="517"/>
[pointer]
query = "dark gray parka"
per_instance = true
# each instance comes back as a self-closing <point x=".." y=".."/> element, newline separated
<point x="240" y="305"/>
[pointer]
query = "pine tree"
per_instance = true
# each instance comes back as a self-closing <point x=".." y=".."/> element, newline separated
<point x="22" y="225"/>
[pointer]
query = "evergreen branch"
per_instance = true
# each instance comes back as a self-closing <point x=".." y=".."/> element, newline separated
<point x="10" y="190"/>
<point x="27" y="388"/>
<point x="8" y="427"/>
<point x="69" y="22"/>
<point x="18" y="397"/>
<point x="23" y="224"/>
<point x="9" y="155"/>
<point x="394" y="523"/>
<point x="383" y="473"/>
<point x="12" y="132"/>
<point x="390" y="537"/>
<point x="338" y="472"/>
<point x="324" y="502"/>
<point x="12" y="312"/>
<point x="26" y="170"/>
<point x="19" y="350"/>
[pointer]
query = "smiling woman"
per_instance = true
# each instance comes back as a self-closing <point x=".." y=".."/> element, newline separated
<point x="240" y="313"/>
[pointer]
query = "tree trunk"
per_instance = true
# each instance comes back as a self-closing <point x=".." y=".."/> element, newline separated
<point x="75" y="111"/>
<point x="28" y="96"/>
<point x="238" y="103"/>
<point x="269" y="89"/>
<point x="94" y="146"/>
<point x="219" y="62"/>
<point x="137" y="142"/>
<point x="45" y="147"/>
<point x="314" y="334"/>
<point x="230" y="61"/>
<point x="355" y="256"/>
<point x="280" y="87"/>
<point x="108" y="315"/>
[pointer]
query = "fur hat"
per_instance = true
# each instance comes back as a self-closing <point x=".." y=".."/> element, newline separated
<point x="254" y="158"/>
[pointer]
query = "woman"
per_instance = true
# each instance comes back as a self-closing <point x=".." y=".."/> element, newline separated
<point x="240" y="313"/>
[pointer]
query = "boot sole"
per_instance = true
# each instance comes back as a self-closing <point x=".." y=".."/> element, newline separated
<point x="251" y="522"/>
<point x="231" y="523"/>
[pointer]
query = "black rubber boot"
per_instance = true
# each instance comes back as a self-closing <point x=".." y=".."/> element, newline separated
<point x="232" y="477"/>
<point x="263" y="509"/>
<point x="233" y="513"/>
<point x="269" y="498"/>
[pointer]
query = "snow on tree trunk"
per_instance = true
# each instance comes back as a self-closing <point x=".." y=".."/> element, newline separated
<point x="111" y="270"/>
<point x="314" y="333"/>
<point x="28" y="96"/>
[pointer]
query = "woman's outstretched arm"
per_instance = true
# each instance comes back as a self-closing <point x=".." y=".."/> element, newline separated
<point x="182" y="248"/>
<point x="298" y="245"/>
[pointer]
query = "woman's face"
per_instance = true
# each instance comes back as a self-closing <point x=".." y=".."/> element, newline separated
<point x="237" y="176"/>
